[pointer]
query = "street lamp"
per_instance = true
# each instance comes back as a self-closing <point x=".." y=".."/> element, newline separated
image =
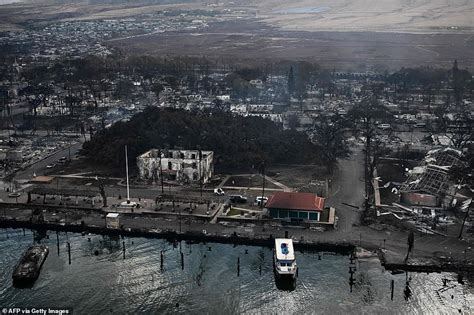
<point x="161" y="173"/>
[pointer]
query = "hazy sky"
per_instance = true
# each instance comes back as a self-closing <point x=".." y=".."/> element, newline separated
<point x="8" y="1"/>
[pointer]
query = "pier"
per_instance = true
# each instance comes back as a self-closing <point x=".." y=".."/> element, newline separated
<point x="304" y="240"/>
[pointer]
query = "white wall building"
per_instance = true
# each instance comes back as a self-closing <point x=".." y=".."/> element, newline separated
<point x="185" y="166"/>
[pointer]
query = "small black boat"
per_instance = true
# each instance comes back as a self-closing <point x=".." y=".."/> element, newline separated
<point x="28" y="268"/>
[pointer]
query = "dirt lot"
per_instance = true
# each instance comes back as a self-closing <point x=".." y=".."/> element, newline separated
<point x="248" y="181"/>
<point x="296" y="176"/>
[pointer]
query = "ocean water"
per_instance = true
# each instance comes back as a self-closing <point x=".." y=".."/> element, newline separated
<point x="9" y="1"/>
<point x="303" y="10"/>
<point x="107" y="283"/>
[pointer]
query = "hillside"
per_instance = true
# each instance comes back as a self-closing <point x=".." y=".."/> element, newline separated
<point x="369" y="15"/>
<point x="303" y="15"/>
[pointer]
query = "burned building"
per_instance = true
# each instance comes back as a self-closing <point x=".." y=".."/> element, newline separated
<point x="184" y="166"/>
<point x="429" y="183"/>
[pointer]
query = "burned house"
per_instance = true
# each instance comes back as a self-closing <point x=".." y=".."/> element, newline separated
<point x="184" y="166"/>
<point x="429" y="183"/>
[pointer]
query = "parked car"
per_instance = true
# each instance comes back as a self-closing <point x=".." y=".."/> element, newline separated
<point x="259" y="200"/>
<point x="384" y="126"/>
<point x="237" y="199"/>
<point x="219" y="192"/>
<point x="50" y="165"/>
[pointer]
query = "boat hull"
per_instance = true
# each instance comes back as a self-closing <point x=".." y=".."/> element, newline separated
<point x="285" y="282"/>
<point x="291" y="276"/>
<point x="28" y="268"/>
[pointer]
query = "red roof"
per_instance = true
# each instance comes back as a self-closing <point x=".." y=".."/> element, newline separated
<point x="296" y="201"/>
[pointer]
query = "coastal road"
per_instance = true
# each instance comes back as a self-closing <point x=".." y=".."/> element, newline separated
<point x="347" y="188"/>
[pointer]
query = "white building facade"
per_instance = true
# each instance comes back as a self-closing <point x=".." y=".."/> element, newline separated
<point x="184" y="166"/>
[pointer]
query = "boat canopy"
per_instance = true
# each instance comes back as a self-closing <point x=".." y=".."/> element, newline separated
<point x="284" y="249"/>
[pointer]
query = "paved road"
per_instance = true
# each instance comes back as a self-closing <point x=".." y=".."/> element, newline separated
<point x="348" y="187"/>
<point x="39" y="167"/>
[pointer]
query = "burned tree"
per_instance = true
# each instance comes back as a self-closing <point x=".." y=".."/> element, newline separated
<point x="453" y="117"/>
<point x="329" y="134"/>
<point x="366" y="115"/>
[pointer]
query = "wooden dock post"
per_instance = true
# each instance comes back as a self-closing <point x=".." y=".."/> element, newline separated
<point x="161" y="260"/>
<point x="260" y="269"/>
<point x="392" y="284"/>
<point x="123" y="249"/>
<point x="57" y="240"/>
<point x="69" y="251"/>
<point x="351" y="278"/>
<point x="182" y="261"/>
<point x="238" y="266"/>
<point x="352" y="269"/>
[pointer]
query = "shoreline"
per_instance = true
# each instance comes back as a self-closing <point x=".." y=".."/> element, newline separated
<point x="171" y="235"/>
<point x="343" y="246"/>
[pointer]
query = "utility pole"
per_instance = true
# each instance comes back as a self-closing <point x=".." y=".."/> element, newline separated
<point x="126" y="169"/>
<point x="200" y="169"/>
<point x="161" y="174"/>
<point x="464" y="220"/>
<point x="367" y="175"/>
<point x="262" y="171"/>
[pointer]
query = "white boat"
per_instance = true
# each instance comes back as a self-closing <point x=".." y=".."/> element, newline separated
<point x="284" y="261"/>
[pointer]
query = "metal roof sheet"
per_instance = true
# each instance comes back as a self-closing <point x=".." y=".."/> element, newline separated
<point x="296" y="201"/>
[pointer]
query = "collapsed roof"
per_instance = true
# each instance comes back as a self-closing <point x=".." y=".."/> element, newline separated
<point x="432" y="176"/>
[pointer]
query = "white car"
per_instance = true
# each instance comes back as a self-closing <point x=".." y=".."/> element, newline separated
<point x="219" y="192"/>
<point x="258" y="200"/>
<point x="384" y="126"/>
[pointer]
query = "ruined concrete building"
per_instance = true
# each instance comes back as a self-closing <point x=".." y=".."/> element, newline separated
<point x="429" y="183"/>
<point x="184" y="166"/>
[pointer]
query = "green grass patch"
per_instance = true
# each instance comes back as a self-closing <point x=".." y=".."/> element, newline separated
<point x="233" y="211"/>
